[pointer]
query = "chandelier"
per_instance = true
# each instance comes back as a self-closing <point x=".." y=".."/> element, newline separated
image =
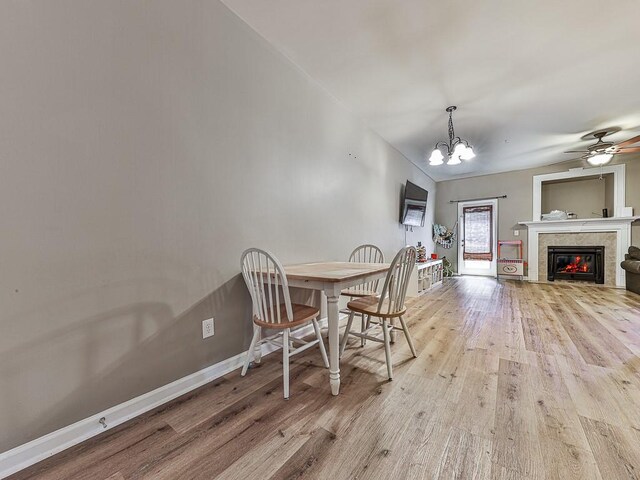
<point x="456" y="150"/>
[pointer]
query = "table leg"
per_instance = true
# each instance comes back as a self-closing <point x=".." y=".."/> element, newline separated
<point x="334" y="341"/>
<point x="323" y="304"/>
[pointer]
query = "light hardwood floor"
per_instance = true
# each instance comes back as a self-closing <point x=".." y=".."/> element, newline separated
<point x="513" y="381"/>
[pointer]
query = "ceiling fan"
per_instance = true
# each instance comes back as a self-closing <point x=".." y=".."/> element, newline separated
<point x="601" y="152"/>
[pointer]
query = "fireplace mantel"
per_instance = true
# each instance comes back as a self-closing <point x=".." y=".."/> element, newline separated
<point x="620" y="225"/>
<point x="598" y="223"/>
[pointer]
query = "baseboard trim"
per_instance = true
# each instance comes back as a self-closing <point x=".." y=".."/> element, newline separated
<point x="25" y="455"/>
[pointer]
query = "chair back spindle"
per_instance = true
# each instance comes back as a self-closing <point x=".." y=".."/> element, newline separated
<point x="367" y="253"/>
<point x="395" y="286"/>
<point x="267" y="285"/>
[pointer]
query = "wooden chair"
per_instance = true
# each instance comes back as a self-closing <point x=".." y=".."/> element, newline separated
<point x="272" y="309"/>
<point x="366" y="253"/>
<point x="388" y="306"/>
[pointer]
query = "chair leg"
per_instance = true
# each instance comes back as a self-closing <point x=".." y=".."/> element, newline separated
<point x="409" y="341"/>
<point x="257" y="351"/>
<point x="392" y="334"/>
<point x="387" y="346"/>
<point x="323" y="351"/>
<point x="254" y="341"/>
<point x="362" y="329"/>
<point x="345" y="337"/>
<point x="285" y="362"/>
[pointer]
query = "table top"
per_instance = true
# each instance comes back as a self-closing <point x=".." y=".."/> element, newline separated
<point x="333" y="271"/>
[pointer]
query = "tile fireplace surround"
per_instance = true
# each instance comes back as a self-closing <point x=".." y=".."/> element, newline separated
<point x="589" y="239"/>
<point x="614" y="233"/>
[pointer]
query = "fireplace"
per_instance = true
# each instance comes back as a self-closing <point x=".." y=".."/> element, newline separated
<point x="576" y="263"/>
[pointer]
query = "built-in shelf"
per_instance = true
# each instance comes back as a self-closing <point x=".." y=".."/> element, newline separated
<point x="425" y="276"/>
<point x="618" y="172"/>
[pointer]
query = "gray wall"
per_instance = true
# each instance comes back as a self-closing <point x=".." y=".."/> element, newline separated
<point x="144" y="146"/>
<point x="584" y="197"/>
<point x="518" y="186"/>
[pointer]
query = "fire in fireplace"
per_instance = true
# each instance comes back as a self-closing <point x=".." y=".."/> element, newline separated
<point x="576" y="263"/>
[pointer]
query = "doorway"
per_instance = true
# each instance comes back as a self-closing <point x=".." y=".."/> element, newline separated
<point x="478" y="237"/>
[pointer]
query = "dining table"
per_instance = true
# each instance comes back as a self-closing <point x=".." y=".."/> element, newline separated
<point x="331" y="278"/>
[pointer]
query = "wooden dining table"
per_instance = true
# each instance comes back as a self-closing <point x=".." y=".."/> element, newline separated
<point x="331" y="278"/>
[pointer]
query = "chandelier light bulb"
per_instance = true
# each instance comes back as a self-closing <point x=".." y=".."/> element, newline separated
<point x="454" y="159"/>
<point x="436" y="157"/>
<point x="468" y="154"/>
<point x="600" y="159"/>
<point x="459" y="150"/>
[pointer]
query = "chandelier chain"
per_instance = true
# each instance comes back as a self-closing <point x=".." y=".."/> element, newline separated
<point x="451" y="132"/>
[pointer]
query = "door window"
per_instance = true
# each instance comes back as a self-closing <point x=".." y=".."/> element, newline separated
<point x="478" y="232"/>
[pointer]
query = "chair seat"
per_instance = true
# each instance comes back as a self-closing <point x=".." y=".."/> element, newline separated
<point x="369" y="306"/>
<point x="301" y="314"/>
<point x="355" y="292"/>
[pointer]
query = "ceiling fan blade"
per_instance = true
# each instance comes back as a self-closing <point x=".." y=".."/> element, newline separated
<point x="577" y="151"/>
<point x="631" y="141"/>
<point x="629" y="150"/>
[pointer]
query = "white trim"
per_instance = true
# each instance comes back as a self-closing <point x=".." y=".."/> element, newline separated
<point x="44" y="447"/>
<point x="572" y="222"/>
<point x="620" y="226"/>
<point x="493" y="268"/>
<point x="523" y="278"/>
<point x="618" y="186"/>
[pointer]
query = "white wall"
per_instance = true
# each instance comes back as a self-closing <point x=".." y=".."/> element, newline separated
<point x="144" y="146"/>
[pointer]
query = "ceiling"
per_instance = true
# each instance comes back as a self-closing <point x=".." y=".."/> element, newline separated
<point x="529" y="78"/>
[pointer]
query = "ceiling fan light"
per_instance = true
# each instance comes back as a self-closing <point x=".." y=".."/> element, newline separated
<point x="436" y="157"/>
<point x="468" y="154"/>
<point x="600" y="159"/>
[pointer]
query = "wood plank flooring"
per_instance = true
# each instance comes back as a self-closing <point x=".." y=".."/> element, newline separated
<point x="513" y="381"/>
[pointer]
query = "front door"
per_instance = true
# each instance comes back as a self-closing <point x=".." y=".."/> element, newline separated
<point x="477" y="239"/>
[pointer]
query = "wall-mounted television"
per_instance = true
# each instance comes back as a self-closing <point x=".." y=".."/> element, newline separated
<point x="414" y="205"/>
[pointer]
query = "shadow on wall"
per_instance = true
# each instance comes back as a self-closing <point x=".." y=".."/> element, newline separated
<point x="113" y="356"/>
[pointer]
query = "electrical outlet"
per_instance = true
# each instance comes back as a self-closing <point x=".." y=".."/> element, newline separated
<point x="207" y="328"/>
